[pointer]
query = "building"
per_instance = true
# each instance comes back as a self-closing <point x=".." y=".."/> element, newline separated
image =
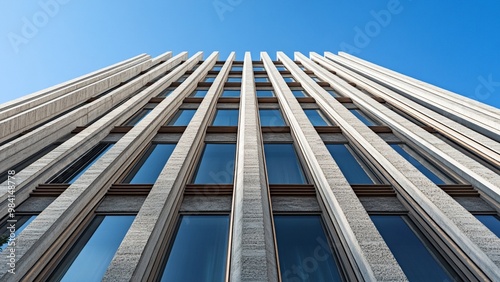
<point x="317" y="168"/>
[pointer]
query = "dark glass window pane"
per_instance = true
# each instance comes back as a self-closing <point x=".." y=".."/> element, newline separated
<point x="226" y="118"/>
<point x="288" y="79"/>
<point x="261" y="79"/>
<point x="4" y="176"/>
<point x="303" y="249"/>
<point x="231" y="93"/>
<point x="332" y="92"/>
<point x="350" y="167"/>
<point x="182" y="78"/>
<point x="216" y="164"/>
<point x="234" y="79"/>
<point x="166" y="92"/>
<point x="138" y="117"/>
<point x="199" y="250"/>
<point x="182" y="118"/>
<point x="94" y="250"/>
<point x="151" y="164"/>
<point x="315" y="78"/>
<point x="491" y="221"/>
<point x="22" y="222"/>
<point x="422" y="168"/>
<point x="414" y="257"/>
<point x="271" y="117"/>
<point x="81" y="165"/>
<point x="364" y="119"/>
<point x="199" y="93"/>
<point x="316" y="118"/>
<point x="299" y="93"/>
<point x="265" y="93"/>
<point x="283" y="166"/>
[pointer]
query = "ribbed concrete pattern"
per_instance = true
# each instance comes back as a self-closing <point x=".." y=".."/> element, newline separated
<point x="35" y="115"/>
<point x="139" y="249"/>
<point x="478" y="120"/>
<point x="370" y="252"/>
<point x="42" y="169"/>
<point x="61" y="218"/>
<point x="478" y="175"/>
<point x="478" y="242"/>
<point x="252" y="251"/>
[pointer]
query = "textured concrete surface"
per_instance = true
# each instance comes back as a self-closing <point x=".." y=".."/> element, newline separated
<point x="367" y="248"/>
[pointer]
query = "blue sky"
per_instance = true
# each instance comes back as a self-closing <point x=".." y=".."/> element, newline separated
<point x="452" y="44"/>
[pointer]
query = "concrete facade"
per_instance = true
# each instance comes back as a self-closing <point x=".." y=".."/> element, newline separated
<point x="49" y="131"/>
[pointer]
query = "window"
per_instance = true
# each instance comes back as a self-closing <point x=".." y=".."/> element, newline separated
<point x="234" y="79"/>
<point x="199" y="93"/>
<point x="304" y="251"/>
<point x="199" y="249"/>
<point x="281" y="68"/>
<point x="151" y="164"/>
<point x="316" y="118"/>
<point x="138" y="117"/>
<point x="351" y="169"/>
<point x="182" y="118"/>
<point x="331" y="91"/>
<point x="417" y="258"/>
<point x="182" y="78"/>
<point x="217" y="68"/>
<point x="226" y="117"/>
<point x="216" y="164"/>
<point x="166" y="92"/>
<point x="413" y="157"/>
<point x="271" y="117"/>
<point x="237" y="68"/>
<point x="231" y="93"/>
<point x="261" y="79"/>
<point x="259" y="68"/>
<point x="81" y="165"/>
<point x="362" y="117"/>
<point x="209" y="78"/>
<point x="282" y="163"/>
<point x="315" y="78"/>
<point x="288" y="79"/>
<point x="90" y="257"/>
<point x="265" y="93"/>
<point x="491" y="221"/>
<point x="299" y="93"/>
<point x="21" y="223"/>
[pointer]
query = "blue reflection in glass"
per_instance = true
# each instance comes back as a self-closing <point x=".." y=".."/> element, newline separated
<point x="283" y="166"/>
<point x="361" y="116"/>
<point x="350" y="167"/>
<point x="22" y="222"/>
<point x="234" y="79"/>
<point x="237" y="68"/>
<point x="151" y="165"/>
<point x="199" y="93"/>
<point x="216" y="164"/>
<point x="288" y="79"/>
<point x="91" y="260"/>
<point x="491" y="221"/>
<point x="182" y="118"/>
<point x="231" y="93"/>
<point x="299" y="93"/>
<point x="199" y="250"/>
<point x="226" y="118"/>
<point x="165" y="92"/>
<point x="271" y="117"/>
<point x="303" y="249"/>
<point x="209" y="79"/>
<point x="137" y="118"/>
<point x="261" y="79"/>
<point x="259" y="69"/>
<point x="265" y="93"/>
<point x="424" y="170"/>
<point x="316" y="118"/>
<point x="331" y="92"/>
<point x="414" y="257"/>
<point x="86" y="167"/>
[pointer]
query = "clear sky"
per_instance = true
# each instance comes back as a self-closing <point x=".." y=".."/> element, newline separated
<point x="454" y="44"/>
